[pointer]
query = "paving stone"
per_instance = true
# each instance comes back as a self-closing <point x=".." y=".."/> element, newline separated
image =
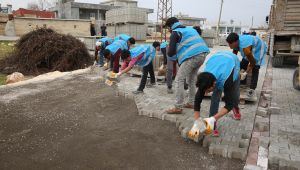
<point x="274" y="110"/>
<point x="262" y="112"/>
<point x="252" y="167"/>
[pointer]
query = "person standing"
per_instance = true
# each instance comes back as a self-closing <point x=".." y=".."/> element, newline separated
<point x="253" y="50"/>
<point x="170" y="65"/>
<point x="190" y="50"/>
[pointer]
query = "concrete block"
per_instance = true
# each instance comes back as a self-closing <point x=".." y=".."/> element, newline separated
<point x="252" y="167"/>
<point x="262" y="112"/>
<point x="274" y="110"/>
<point x="264" y="142"/>
<point x="244" y="143"/>
<point x="220" y="150"/>
<point x="262" y="159"/>
<point x="168" y="117"/>
<point x="206" y="142"/>
<point x="262" y="126"/>
<point x="238" y="153"/>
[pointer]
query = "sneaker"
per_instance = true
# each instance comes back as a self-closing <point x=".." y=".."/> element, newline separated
<point x="215" y="133"/>
<point x="236" y="113"/>
<point x="174" y="111"/>
<point x="170" y="91"/>
<point x="137" y="92"/>
<point x="188" y="106"/>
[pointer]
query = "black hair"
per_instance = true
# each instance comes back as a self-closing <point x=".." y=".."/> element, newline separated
<point x="232" y="37"/>
<point x="171" y="21"/>
<point x="125" y="54"/>
<point x="198" y="29"/>
<point x="253" y="33"/>
<point x="106" y="53"/>
<point x="205" y="80"/>
<point x="131" y="40"/>
<point x="156" y="44"/>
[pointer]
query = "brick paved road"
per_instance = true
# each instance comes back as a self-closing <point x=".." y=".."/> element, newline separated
<point x="284" y="147"/>
<point x="234" y="135"/>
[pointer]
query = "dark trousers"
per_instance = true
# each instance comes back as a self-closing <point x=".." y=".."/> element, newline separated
<point x="147" y="69"/>
<point x="255" y="74"/>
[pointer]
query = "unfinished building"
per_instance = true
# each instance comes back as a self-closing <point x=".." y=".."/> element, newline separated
<point x="120" y="16"/>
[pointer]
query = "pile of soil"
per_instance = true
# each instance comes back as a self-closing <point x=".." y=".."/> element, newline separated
<point x="44" y="50"/>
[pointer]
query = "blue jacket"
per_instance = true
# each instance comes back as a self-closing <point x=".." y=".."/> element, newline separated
<point x="163" y="45"/>
<point x="105" y="41"/>
<point x="191" y="44"/>
<point x="116" y="45"/>
<point x="149" y="55"/>
<point x="124" y="37"/>
<point x="221" y="66"/>
<point x="259" y="47"/>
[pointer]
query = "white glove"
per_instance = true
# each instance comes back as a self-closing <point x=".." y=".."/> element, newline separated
<point x="118" y="75"/>
<point x="199" y="127"/>
<point x="243" y="75"/>
<point x="210" y="124"/>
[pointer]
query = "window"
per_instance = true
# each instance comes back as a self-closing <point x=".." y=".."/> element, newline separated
<point x="92" y="15"/>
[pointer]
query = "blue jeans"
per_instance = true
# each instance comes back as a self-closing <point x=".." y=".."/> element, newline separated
<point x="101" y="58"/>
<point x="217" y="94"/>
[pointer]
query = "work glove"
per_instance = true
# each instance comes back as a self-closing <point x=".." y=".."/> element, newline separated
<point x="118" y="75"/>
<point x="199" y="127"/>
<point x="210" y="125"/>
<point x="243" y="74"/>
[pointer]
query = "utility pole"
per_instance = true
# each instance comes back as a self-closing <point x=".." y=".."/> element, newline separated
<point x="164" y="11"/>
<point x="252" y="20"/>
<point x="218" y="26"/>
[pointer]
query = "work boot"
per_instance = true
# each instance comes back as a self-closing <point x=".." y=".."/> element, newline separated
<point x="174" y="111"/>
<point x="170" y="91"/>
<point x="236" y="113"/>
<point x="138" y="92"/>
<point x="251" y="94"/>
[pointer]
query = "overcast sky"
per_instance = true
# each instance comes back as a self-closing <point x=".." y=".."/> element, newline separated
<point x="238" y="10"/>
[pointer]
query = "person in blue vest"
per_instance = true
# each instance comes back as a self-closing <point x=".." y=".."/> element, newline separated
<point x="253" y="50"/>
<point x="190" y="50"/>
<point x="113" y="53"/>
<point x="142" y="56"/>
<point x="170" y="65"/>
<point x="130" y="40"/>
<point x="101" y="44"/>
<point x="221" y="73"/>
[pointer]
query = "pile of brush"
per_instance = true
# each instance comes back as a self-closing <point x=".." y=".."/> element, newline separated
<point x="44" y="50"/>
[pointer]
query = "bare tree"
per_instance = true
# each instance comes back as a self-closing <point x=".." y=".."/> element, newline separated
<point x="33" y="5"/>
<point x="41" y="4"/>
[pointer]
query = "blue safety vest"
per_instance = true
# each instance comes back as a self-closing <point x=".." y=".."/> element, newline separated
<point x="259" y="47"/>
<point x="191" y="44"/>
<point x="149" y="54"/>
<point x="221" y="65"/>
<point x="123" y="37"/>
<point x="116" y="45"/>
<point x="163" y="45"/>
<point x="105" y="41"/>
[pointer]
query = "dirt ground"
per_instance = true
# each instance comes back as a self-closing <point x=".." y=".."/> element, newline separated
<point x="79" y="123"/>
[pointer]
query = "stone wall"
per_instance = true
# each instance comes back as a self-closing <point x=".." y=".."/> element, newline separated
<point x="73" y="27"/>
<point x="3" y="20"/>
